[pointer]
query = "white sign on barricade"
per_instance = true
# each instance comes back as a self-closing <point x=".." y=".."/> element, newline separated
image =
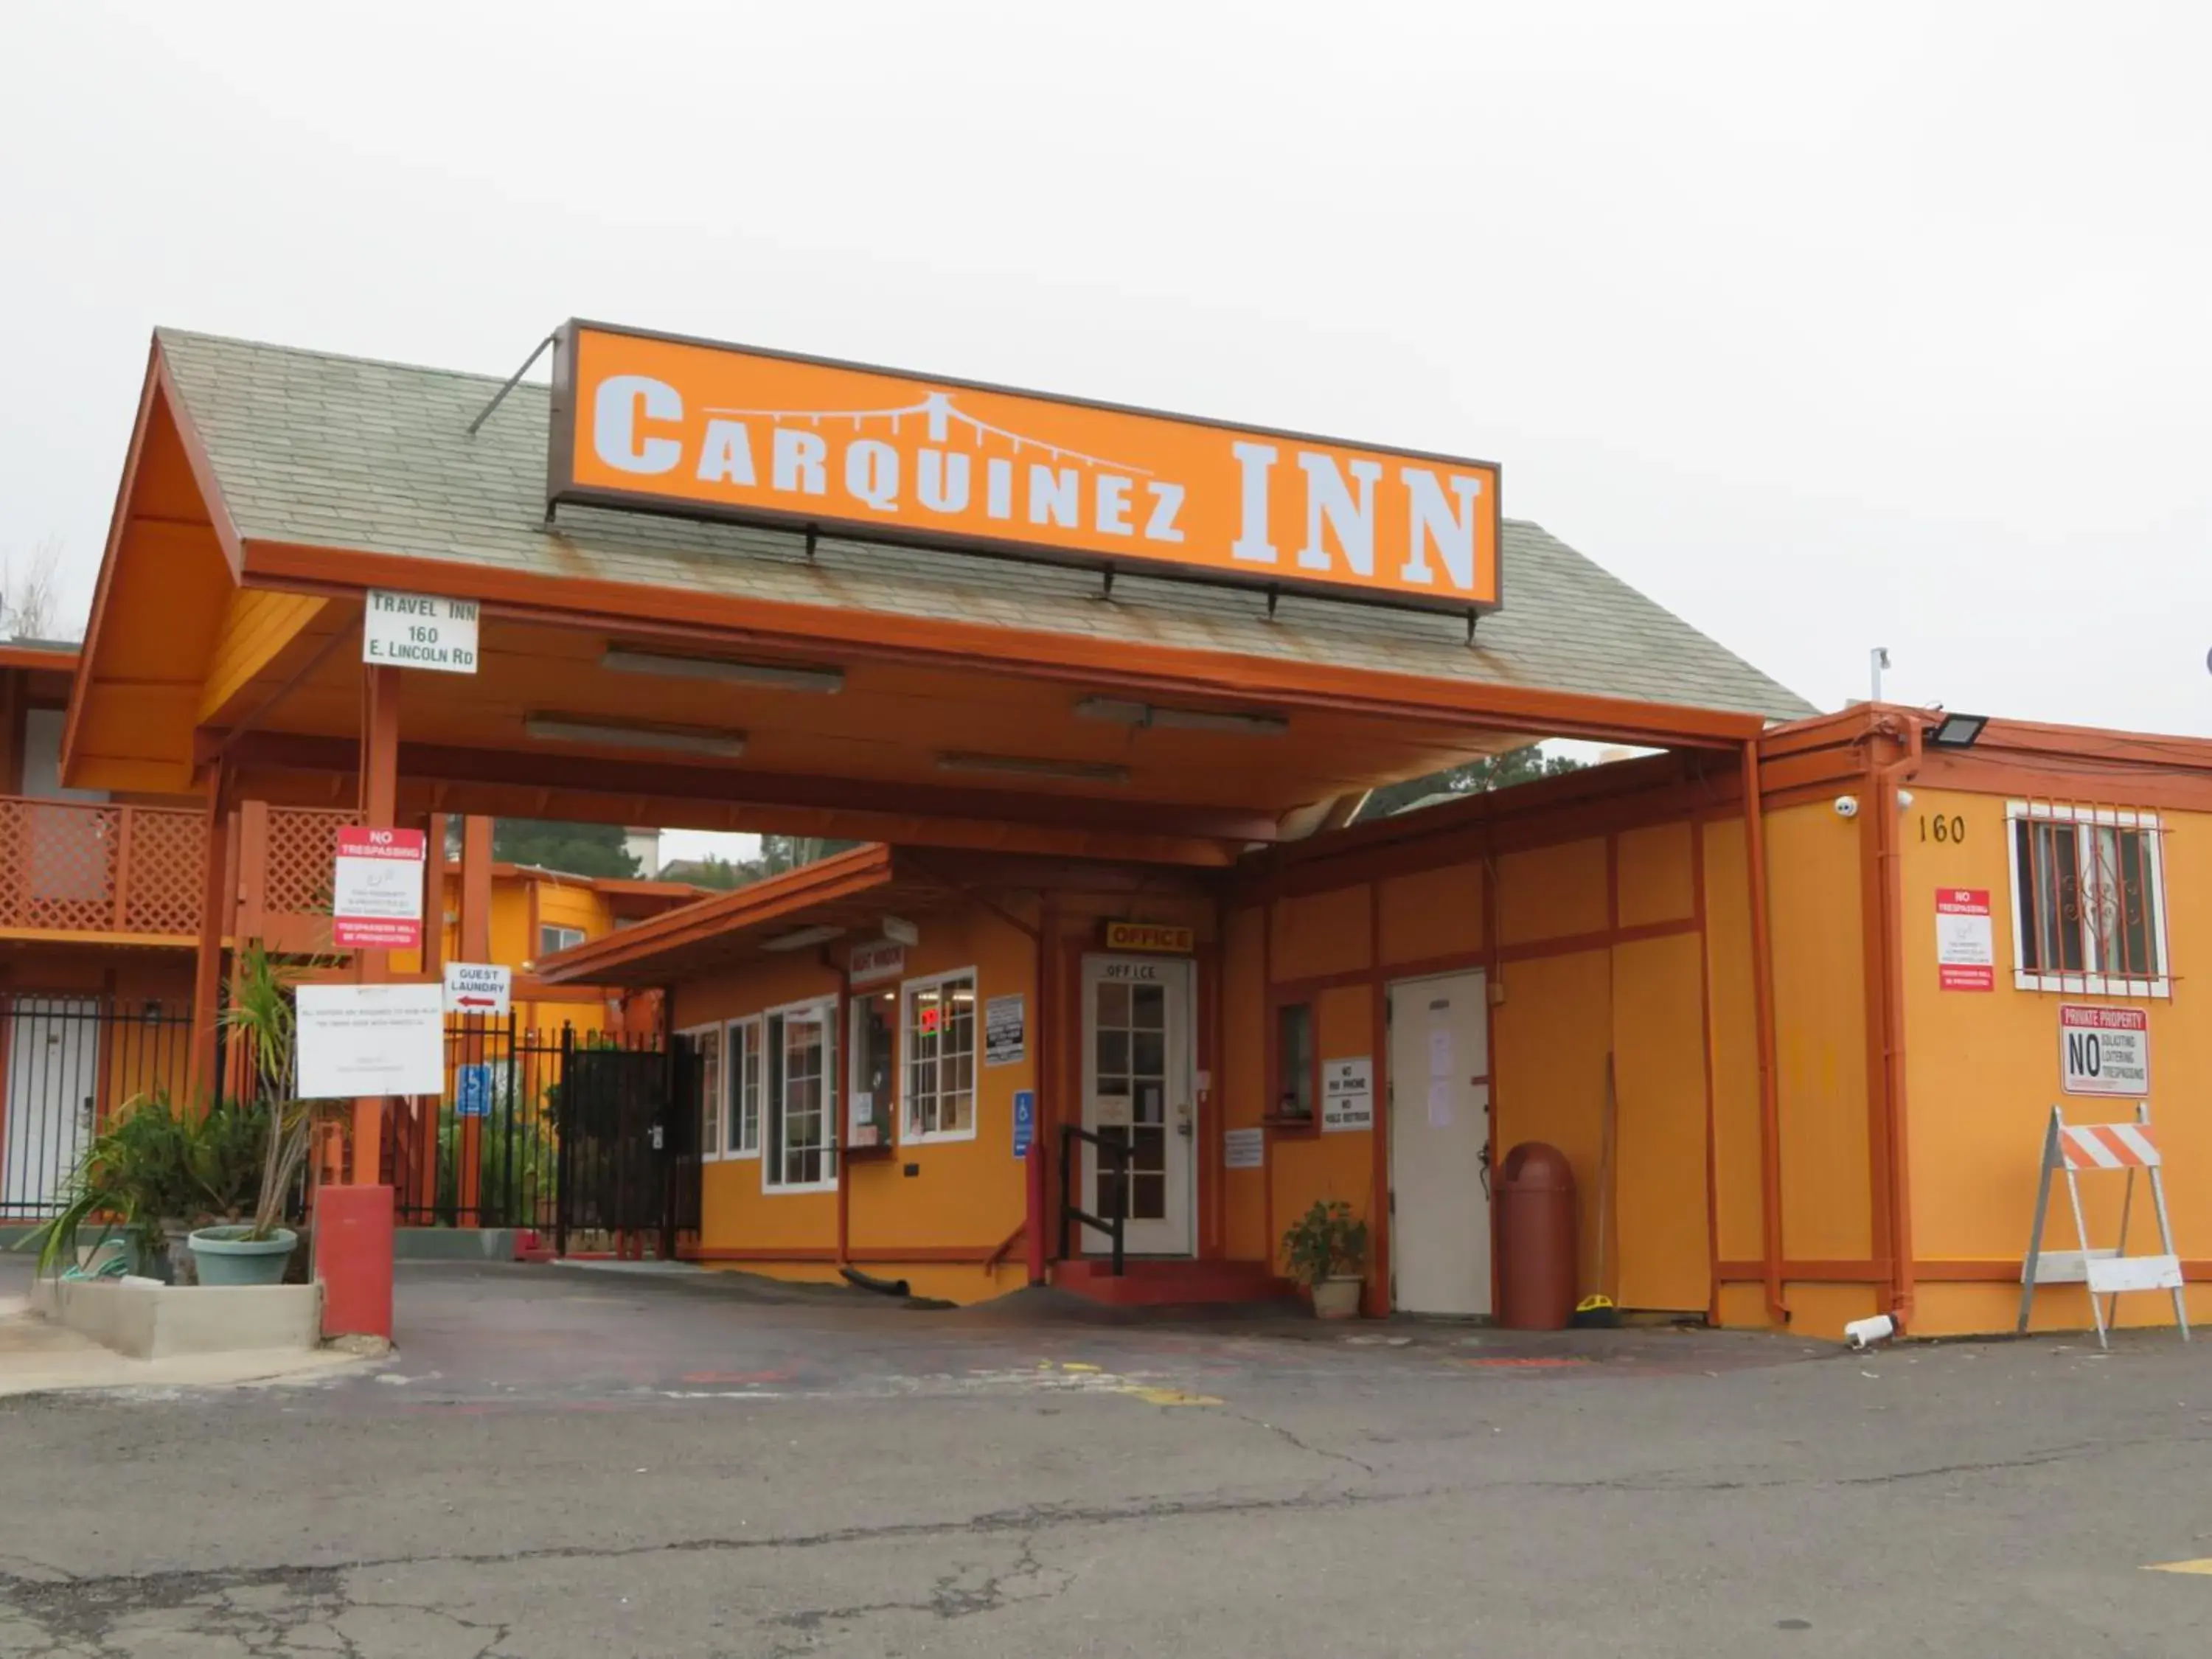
<point x="2069" y="1149"/>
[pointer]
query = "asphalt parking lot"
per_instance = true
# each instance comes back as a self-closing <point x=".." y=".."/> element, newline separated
<point x="561" y="1461"/>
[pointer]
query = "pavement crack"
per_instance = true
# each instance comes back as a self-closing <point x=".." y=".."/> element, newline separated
<point x="1304" y="1444"/>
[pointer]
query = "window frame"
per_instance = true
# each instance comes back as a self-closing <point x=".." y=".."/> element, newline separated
<point x="825" y="1010"/>
<point x="909" y="1029"/>
<point x="2089" y="982"/>
<point x="710" y="1145"/>
<point x="747" y="1029"/>
<point x="545" y="928"/>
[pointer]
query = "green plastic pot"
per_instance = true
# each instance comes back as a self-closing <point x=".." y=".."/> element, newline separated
<point x="225" y="1255"/>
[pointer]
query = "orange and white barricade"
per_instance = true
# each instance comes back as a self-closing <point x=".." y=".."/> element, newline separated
<point x="2072" y="1150"/>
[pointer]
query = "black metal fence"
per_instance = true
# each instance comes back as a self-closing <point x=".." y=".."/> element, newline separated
<point x="528" y="1116"/>
<point x="484" y="1154"/>
<point x="68" y="1062"/>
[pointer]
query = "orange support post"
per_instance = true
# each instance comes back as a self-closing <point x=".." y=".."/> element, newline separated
<point x="1762" y="986"/>
<point x="379" y="800"/>
<point x="353" y="1223"/>
<point x="207" y="965"/>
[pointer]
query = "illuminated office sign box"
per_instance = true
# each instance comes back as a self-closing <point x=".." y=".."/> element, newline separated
<point x="686" y="427"/>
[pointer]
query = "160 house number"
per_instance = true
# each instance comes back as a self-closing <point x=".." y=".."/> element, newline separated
<point x="1940" y="828"/>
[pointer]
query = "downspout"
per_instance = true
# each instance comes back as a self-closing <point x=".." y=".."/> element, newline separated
<point x="1762" y="986"/>
<point x="1889" y="864"/>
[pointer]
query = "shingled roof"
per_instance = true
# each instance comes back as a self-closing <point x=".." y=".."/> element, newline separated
<point x="319" y="450"/>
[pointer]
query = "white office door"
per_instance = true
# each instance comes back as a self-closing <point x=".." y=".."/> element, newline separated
<point x="1138" y="1091"/>
<point x="52" y="1077"/>
<point x="1439" y="1145"/>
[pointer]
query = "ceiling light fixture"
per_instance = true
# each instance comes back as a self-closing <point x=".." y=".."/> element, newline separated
<point x="1035" y="767"/>
<point x="621" y="660"/>
<point x="799" y="938"/>
<point x="1119" y="712"/>
<point x="671" y="739"/>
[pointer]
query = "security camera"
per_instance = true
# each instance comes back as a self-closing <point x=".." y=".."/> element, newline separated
<point x="1847" y="806"/>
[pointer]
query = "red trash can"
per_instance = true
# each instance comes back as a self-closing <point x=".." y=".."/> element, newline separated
<point x="1536" y="1244"/>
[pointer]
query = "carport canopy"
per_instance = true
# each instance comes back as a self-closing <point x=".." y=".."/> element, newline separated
<point x="643" y="669"/>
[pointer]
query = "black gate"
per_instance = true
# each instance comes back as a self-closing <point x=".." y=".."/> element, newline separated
<point x="629" y="1154"/>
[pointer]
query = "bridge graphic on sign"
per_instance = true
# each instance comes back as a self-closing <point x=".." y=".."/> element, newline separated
<point x="942" y="415"/>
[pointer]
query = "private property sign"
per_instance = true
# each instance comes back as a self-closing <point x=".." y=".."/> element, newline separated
<point x="376" y="890"/>
<point x="414" y="631"/>
<point x="653" y="423"/>
<point x="2104" y="1050"/>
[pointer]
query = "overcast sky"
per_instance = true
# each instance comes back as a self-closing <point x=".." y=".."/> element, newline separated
<point x="1827" y="326"/>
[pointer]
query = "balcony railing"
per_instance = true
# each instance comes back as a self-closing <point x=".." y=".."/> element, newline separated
<point x="90" y="868"/>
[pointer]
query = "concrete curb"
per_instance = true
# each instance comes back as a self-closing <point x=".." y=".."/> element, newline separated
<point x="452" y="1243"/>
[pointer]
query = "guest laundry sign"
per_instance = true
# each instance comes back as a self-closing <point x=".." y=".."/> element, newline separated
<point x="690" y="427"/>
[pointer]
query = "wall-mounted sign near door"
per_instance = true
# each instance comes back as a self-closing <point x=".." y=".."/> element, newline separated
<point x="1148" y="936"/>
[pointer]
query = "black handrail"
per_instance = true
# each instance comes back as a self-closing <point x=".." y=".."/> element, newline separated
<point x="1120" y="1152"/>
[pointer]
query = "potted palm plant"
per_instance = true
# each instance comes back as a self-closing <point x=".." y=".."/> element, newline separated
<point x="256" y="1251"/>
<point x="1326" y="1248"/>
<point x="151" y="1173"/>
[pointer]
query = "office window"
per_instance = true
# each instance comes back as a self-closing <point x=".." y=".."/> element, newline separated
<point x="552" y="936"/>
<point x="938" y="1017"/>
<point x="1294" y="1061"/>
<point x="712" y="1098"/>
<point x="746" y="1062"/>
<point x="2088" y="900"/>
<point x="875" y="1047"/>
<point x="801" y="1043"/>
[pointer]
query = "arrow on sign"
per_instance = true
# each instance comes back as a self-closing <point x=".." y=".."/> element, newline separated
<point x="476" y="1002"/>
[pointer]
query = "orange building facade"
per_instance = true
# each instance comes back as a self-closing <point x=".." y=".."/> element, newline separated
<point x="1106" y="691"/>
<point x="1576" y="961"/>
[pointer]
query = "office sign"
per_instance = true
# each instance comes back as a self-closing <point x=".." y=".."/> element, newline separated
<point x="2104" y="1050"/>
<point x="870" y="963"/>
<point x="1148" y="936"/>
<point x="689" y="427"/>
<point x="353" y="1040"/>
<point x="376" y="890"/>
<point x="418" y="630"/>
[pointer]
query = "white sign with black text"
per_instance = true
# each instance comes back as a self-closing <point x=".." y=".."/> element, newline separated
<point x="2104" y="1050"/>
<point x="416" y="630"/>
<point x="1005" y="1029"/>
<point x="359" y="1040"/>
<point x="1243" y="1149"/>
<point x="484" y="989"/>
<point x="1347" y="1093"/>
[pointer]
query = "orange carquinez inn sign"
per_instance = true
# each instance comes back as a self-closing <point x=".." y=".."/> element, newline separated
<point x="643" y="421"/>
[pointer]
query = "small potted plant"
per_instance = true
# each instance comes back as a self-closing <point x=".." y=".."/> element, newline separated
<point x="1326" y="1248"/>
